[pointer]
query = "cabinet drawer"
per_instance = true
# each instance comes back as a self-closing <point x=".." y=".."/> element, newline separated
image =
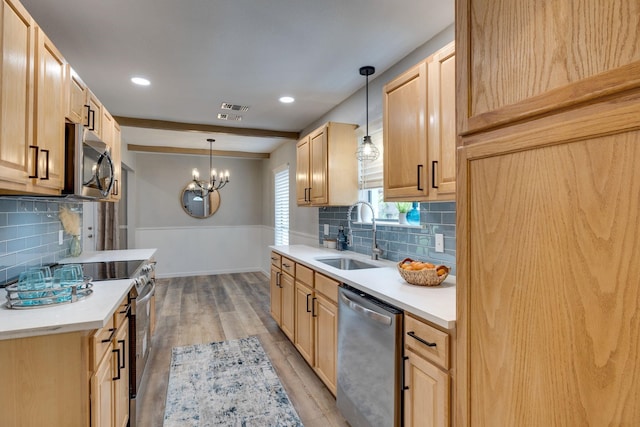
<point x="304" y="275"/>
<point x="121" y="313"/>
<point x="275" y="259"/>
<point x="288" y="266"/>
<point x="327" y="287"/>
<point x="101" y="342"/>
<point x="418" y="334"/>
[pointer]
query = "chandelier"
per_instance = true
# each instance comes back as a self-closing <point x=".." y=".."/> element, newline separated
<point x="216" y="181"/>
<point x="367" y="150"/>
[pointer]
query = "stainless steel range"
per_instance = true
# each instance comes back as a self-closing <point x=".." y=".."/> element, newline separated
<point x="140" y="296"/>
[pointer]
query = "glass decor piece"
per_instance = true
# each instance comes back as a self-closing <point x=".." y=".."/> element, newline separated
<point x="413" y="216"/>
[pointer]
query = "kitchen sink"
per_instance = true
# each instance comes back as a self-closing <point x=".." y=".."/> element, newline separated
<point x="345" y="263"/>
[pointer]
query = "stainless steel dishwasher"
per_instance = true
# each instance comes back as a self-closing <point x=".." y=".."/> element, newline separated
<point x="369" y="360"/>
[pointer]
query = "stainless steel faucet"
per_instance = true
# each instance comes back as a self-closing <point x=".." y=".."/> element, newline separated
<point x="375" y="250"/>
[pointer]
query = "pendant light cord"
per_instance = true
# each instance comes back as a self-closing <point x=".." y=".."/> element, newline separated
<point x="367" y="104"/>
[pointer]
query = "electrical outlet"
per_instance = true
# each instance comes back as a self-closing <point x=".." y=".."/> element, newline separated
<point x="439" y="242"/>
<point x="326" y="229"/>
<point x="60" y="237"/>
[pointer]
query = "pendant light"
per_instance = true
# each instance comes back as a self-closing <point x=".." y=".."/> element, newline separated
<point x="367" y="150"/>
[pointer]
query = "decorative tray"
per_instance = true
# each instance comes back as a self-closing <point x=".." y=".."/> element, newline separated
<point x="55" y="295"/>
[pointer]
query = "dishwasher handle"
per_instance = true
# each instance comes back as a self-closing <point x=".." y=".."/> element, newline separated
<point x="373" y="315"/>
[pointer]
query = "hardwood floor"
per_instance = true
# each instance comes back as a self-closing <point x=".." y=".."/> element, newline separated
<point x="200" y="309"/>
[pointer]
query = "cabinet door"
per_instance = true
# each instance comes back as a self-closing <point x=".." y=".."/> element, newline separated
<point x="50" y="112"/>
<point x="442" y="124"/>
<point x="17" y="159"/>
<point x="121" y="384"/>
<point x="318" y="166"/>
<point x="405" y="136"/>
<point x="426" y="402"/>
<point x="102" y="392"/>
<point x="326" y="336"/>
<point x="107" y="127"/>
<point x="288" y="295"/>
<point x="304" y="324"/>
<point x="302" y="172"/>
<point x="276" y="295"/>
<point x="77" y="95"/>
<point x="93" y="118"/>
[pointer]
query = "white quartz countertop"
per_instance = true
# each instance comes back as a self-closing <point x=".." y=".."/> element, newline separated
<point x="436" y="304"/>
<point x="106" y="256"/>
<point x="92" y="312"/>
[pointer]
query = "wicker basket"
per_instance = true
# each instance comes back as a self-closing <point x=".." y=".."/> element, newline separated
<point x="424" y="277"/>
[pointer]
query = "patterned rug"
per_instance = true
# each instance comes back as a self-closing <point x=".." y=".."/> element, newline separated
<point x="228" y="383"/>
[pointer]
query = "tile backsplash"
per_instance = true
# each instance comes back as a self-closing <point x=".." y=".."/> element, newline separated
<point x="29" y="229"/>
<point x="399" y="242"/>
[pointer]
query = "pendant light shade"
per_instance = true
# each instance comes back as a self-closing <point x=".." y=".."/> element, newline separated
<point x="367" y="150"/>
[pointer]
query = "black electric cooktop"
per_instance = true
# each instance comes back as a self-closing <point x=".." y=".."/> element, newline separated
<point x="112" y="270"/>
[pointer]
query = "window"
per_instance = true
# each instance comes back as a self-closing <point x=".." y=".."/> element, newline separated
<point x="281" y="216"/>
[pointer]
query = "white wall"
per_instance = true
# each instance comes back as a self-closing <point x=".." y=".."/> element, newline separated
<point x="228" y="241"/>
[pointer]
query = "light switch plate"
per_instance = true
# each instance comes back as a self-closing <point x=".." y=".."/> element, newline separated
<point x="439" y="242"/>
<point x="60" y="237"/>
<point x="326" y="229"/>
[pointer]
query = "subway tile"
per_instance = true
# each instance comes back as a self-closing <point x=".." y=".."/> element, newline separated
<point x="449" y="218"/>
<point x="16" y="245"/>
<point x="14" y="272"/>
<point x="4" y="218"/>
<point x="23" y="218"/>
<point x="442" y="206"/>
<point x="3" y="276"/>
<point x="8" y="205"/>
<point x="433" y="217"/>
<point x="7" y="261"/>
<point x="8" y="233"/>
<point x="40" y="206"/>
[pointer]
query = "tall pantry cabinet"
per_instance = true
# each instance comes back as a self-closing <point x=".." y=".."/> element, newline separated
<point x="548" y="195"/>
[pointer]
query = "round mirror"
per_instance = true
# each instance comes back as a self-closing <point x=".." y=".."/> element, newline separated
<point x="199" y="204"/>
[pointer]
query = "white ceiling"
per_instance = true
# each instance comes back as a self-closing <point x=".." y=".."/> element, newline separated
<point x="200" y="53"/>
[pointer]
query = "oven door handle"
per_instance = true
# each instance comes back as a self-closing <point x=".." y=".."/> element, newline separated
<point x="149" y="294"/>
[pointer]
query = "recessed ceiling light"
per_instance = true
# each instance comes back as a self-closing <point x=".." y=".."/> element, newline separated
<point x="286" y="99"/>
<point x="140" y="81"/>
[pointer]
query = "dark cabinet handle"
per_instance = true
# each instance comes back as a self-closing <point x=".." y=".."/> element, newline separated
<point x="123" y="353"/>
<point x="404" y="387"/>
<point x="92" y="115"/>
<point x="284" y="264"/>
<point x="278" y="274"/>
<point x="414" y="336"/>
<point x="88" y="115"/>
<point x="46" y="165"/>
<point x="112" y="330"/>
<point x="308" y="309"/>
<point x="313" y="307"/>
<point x="434" y="163"/>
<point x="420" y="177"/>
<point x="309" y="199"/>
<point x="128" y="306"/>
<point x="117" y="350"/>
<point x="35" y="163"/>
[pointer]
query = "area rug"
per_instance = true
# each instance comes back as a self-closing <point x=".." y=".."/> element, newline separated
<point x="228" y="383"/>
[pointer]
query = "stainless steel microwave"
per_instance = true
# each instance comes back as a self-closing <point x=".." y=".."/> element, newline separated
<point x="89" y="171"/>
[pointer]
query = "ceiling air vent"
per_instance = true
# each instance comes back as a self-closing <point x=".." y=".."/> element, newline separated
<point x="234" y="107"/>
<point x="232" y="117"/>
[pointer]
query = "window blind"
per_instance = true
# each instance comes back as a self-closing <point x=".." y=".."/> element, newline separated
<point x="281" y="191"/>
<point x="371" y="171"/>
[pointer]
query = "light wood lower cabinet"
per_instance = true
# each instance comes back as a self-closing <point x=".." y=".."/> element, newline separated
<point x="305" y="307"/>
<point x="427" y="379"/>
<point x="326" y="340"/>
<point x="71" y="379"/>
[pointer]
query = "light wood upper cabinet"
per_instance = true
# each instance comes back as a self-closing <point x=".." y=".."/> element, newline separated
<point x="50" y="112"/>
<point x="303" y="180"/>
<point x="329" y="177"/>
<point x="442" y="123"/>
<point x="419" y="131"/>
<point x="94" y="114"/>
<point x="553" y="55"/>
<point x="405" y="136"/>
<point x="17" y="159"/>
<point x="76" y="97"/>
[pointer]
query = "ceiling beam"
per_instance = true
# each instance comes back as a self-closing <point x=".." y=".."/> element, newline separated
<point x="195" y="127"/>
<point x="196" y="151"/>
